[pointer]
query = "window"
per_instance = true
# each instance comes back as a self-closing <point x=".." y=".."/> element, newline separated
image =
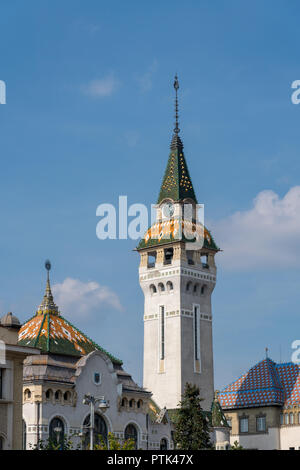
<point x="170" y="286"/>
<point x="100" y="429"/>
<point x="27" y="394"/>
<point x="281" y="418"/>
<point x="244" y="425"/>
<point x="229" y="422"/>
<point x="196" y="333"/>
<point x="1" y="383"/>
<point x="291" y="418"/>
<point x="190" y="257"/>
<point x="57" y="431"/>
<point x="57" y="395"/>
<point x="124" y="402"/>
<point x="131" y="433"/>
<point x="67" y="396"/>
<point x="132" y="403"/>
<point x="97" y="378"/>
<point x="203" y="289"/>
<point x="188" y="286"/>
<point x="162" y="332"/>
<point x="49" y="394"/>
<point x="298" y="418"/>
<point x="204" y="259"/>
<point x="168" y="255"/>
<point x="153" y="289"/>
<point x="163" y="444"/>
<point x="151" y="259"/>
<point x="161" y="287"/>
<point x="1" y="443"/>
<point x="261" y="424"/>
<point x="286" y="418"/>
<point x="140" y="403"/>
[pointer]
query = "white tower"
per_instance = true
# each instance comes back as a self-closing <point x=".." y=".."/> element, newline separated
<point x="177" y="282"/>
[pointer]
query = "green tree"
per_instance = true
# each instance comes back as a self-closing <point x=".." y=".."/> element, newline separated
<point x="191" y="423"/>
<point x="114" y="443"/>
<point x="236" y="446"/>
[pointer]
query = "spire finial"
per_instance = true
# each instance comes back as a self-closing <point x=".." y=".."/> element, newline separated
<point x="48" y="305"/>
<point x="267" y="350"/>
<point x="176" y="86"/>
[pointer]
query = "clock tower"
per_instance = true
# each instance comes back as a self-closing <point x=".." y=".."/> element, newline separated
<point x="177" y="274"/>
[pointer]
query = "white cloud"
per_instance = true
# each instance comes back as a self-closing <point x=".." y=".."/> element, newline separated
<point x="101" y="87"/>
<point x="266" y="236"/>
<point x="146" y="80"/>
<point x="79" y="298"/>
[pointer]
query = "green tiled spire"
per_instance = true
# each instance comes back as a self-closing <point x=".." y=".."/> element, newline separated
<point x="177" y="183"/>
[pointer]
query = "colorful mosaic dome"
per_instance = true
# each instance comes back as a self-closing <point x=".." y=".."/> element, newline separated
<point x="175" y="230"/>
<point x="267" y="383"/>
<point x="52" y="333"/>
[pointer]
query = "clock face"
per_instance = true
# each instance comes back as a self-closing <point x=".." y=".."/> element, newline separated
<point x="168" y="210"/>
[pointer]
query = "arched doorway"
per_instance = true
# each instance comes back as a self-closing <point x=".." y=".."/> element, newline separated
<point x="57" y="432"/>
<point x="163" y="444"/>
<point x="100" y="429"/>
<point x="131" y="433"/>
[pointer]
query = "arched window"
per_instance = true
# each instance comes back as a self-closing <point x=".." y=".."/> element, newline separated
<point x="140" y="403"/>
<point x="132" y="403"/>
<point x="196" y="288"/>
<point x="67" y="396"/>
<point x="57" y="432"/>
<point x="203" y="289"/>
<point x="124" y="402"/>
<point x="169" y="286"/>
<point x="57" y="395"/>
<point x="27" y="394"/>
<point x="153" y="289"/>
<point x="163" y="444"/>
<point x="49" y="394"/>
<point x="23" y="434"/>
<point x="100" y="429"/>
<point x="291" y="418"/>
<point x="188" y="286"/>
<point x="161" y="287"/>
<point x="131" y="433"/>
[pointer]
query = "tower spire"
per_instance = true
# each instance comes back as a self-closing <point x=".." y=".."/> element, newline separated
<point x="176" y="86"/>
<point x="48" y="305"/>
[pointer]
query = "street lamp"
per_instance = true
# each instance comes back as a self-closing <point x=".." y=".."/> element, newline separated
<point x="92" y="401"/>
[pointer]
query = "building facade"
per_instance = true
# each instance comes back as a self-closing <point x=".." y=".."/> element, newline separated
<point x="69" y="367"/>
<point x="263" y="407"/>
<point x="11" y="378"/>
<point x="177" y="274"/>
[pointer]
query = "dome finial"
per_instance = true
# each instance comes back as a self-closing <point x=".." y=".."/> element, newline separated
<point x="47" y="305"/>
<point x="176" y="86"/>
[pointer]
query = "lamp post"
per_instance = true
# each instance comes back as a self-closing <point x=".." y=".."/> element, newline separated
<point x="92" y="402"/>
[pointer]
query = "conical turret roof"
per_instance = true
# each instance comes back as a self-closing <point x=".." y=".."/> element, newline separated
<point x="50" y="332"/>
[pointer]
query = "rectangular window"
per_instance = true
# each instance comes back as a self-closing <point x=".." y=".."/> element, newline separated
<point x="281" y="418"/>
<point x="261" y="424"/>
<point x="244" y="425"/>
<point x="162" y="332"/>
<point x="197" y="348"/>
<point x="229" y="422"/>
<point x="151" y="259"/>
<point x="286" y="418"/>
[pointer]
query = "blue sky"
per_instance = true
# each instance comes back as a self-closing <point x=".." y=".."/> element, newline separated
<point x="89" y="117"/>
